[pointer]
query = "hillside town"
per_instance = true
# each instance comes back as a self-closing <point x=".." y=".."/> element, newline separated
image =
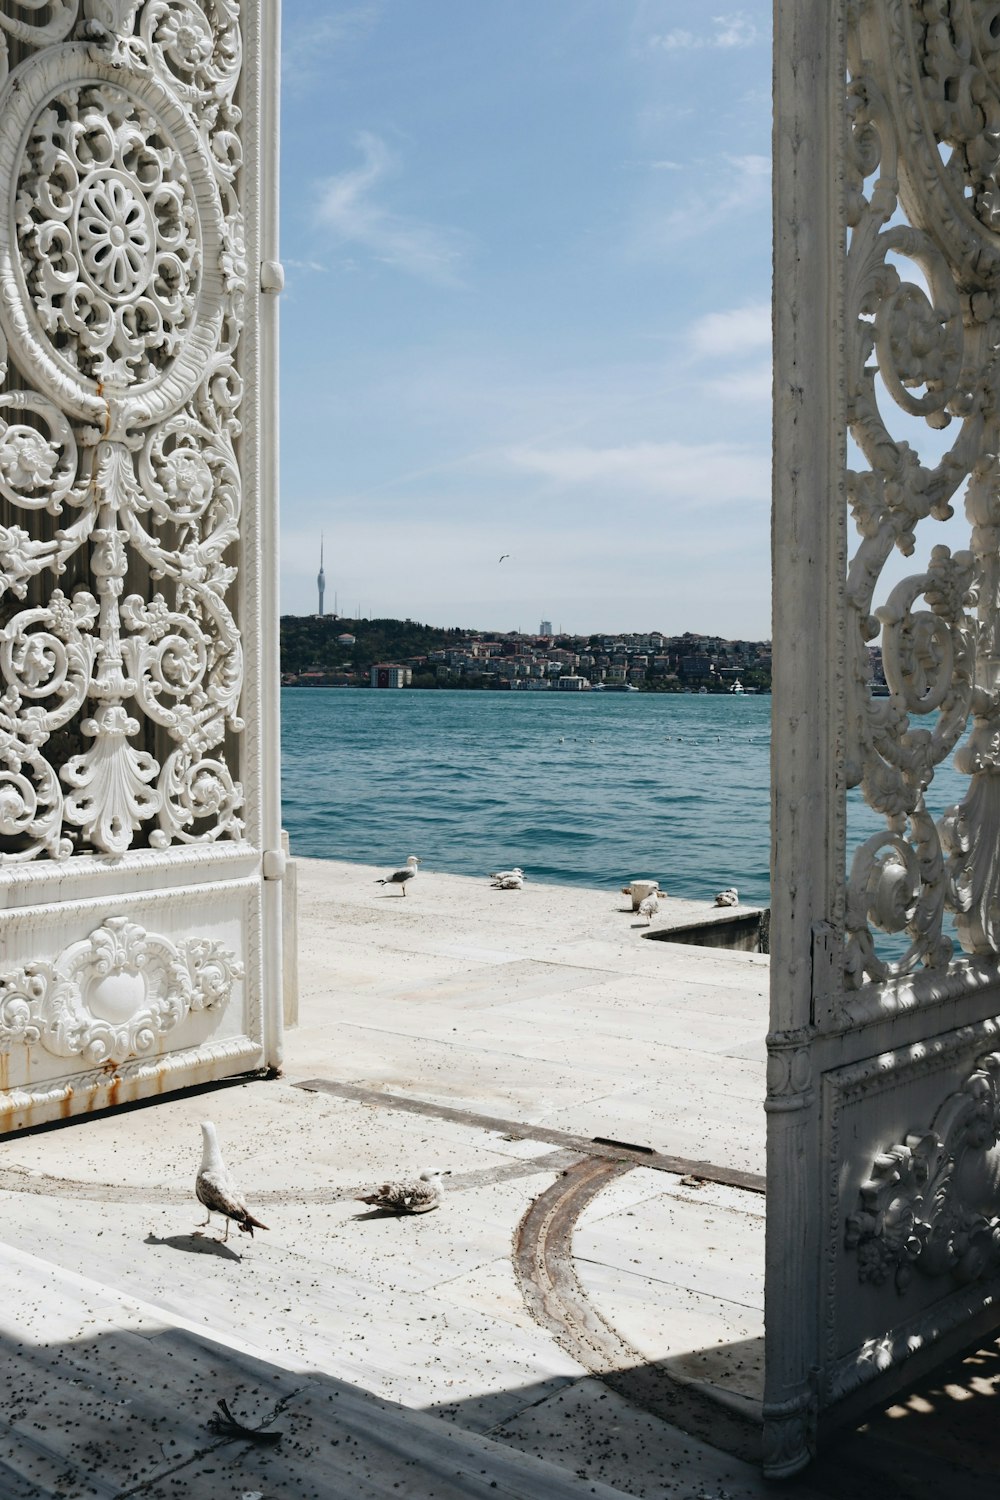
<point x="328" y="651"/>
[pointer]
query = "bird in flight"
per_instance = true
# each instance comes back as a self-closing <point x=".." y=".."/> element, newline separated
<point x="506" y="555"/>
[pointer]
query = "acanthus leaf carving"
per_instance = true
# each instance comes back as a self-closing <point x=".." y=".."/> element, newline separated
<point x="110" y="795"/>
<point x="929" y="1203"/>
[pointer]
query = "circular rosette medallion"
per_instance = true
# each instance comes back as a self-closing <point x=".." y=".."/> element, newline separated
<point x="111" y="282"/>
<point x="116" y="234"/>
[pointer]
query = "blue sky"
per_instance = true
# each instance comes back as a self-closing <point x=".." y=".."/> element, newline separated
<point x="527" y="248"/>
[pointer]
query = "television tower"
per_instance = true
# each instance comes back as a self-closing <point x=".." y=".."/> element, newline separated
<point x="321" y="578"/>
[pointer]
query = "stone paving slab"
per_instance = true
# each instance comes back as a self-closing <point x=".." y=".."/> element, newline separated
<point x="599" y="1434"/>
<point x="452" y="995"/>
<point x="106" y="1397"/>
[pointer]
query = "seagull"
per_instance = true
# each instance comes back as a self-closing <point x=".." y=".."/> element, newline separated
<point x="505" y="556"/>
<point x="400" y="877"/>
<point x="508" y="880"/>
<point x="215" y="1189"/>
<point x="729" y="897"/>
<point x="414" y="1196"/>
<point x="649" y="906"/>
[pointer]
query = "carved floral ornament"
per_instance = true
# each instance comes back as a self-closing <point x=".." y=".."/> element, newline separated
<point x="930" y="1205"/>
<point x="923" y="358"/>
<point x="122" y="280"/>
<point x="115" y="994"/>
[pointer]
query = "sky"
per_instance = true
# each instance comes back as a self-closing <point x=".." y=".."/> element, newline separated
<point x="527" y="312"/>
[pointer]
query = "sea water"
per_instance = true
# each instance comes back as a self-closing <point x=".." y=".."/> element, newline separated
<point x="583" y="789"/>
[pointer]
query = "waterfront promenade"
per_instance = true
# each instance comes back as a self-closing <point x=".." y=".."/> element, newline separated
<point x="583" y="1315"/>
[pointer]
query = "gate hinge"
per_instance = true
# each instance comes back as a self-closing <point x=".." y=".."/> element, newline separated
<point x="273" y="864"/>
<point x="272" y="276"/>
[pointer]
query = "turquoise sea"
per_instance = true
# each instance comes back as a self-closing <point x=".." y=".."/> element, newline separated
<point x="586" y="790"/>
<point x="583" y="790"/>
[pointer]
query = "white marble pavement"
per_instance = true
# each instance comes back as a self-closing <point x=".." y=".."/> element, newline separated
<point x="400" y="1355"/>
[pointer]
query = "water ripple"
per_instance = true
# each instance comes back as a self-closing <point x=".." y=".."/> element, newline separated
<point x="585" y="791"/>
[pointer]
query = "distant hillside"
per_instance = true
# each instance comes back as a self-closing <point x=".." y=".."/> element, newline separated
<point x="309" y="643"/>
<point x="330" y="652"/>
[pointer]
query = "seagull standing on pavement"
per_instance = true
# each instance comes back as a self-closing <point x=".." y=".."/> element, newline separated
<point x="215" y="1190"/>
<point x="400" y="877"/>
<point x="416" y="1196"/>
<point x="649" y="906"/>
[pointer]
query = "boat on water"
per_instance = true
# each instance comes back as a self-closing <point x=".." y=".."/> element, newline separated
<point x="615" y="687"/>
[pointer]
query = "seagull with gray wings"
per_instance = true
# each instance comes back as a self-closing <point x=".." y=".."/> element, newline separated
<point x="400" y="877"/>
<point x="215" y="1190"/>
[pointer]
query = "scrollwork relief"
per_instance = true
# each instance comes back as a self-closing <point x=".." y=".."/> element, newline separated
<point x="929" y="1205"/>
<point x="124" y="270"/>
<point x="40" y="21"/>
<point x="115" y="995"/>
<point x="923" y="339"/>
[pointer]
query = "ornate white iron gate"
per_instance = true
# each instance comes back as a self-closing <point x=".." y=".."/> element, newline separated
<point x="139" y="839"/>
<point x="884" y="1057"/>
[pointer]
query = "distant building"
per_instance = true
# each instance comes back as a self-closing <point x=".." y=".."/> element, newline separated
<point x="572" y="684"/>
<point x="545" y="628"/>
<point x="321" y="577"/>
<point x="345" y="640"/>
<point x="877" y="673"/>
<point x="390" y="675"/>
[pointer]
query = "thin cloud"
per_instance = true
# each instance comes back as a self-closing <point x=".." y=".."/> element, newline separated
<point x="728" y="32"/>
<point x="290" y="263"/>
<point x="746" y="387"/>
<point x="738" y="330"/>
<point x="752" y="165"/>
<point x="736" y="337"/>
<point x="348" y="206"/>
<point x="740" y="189"/>
<point x="307" y="45"/>
<point x="695" y="472"/>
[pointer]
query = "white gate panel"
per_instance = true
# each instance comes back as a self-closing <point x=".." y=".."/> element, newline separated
<point x="139" y="847"/>
<point x="884" y="1054"/>
<point x="102" y="1008"/>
